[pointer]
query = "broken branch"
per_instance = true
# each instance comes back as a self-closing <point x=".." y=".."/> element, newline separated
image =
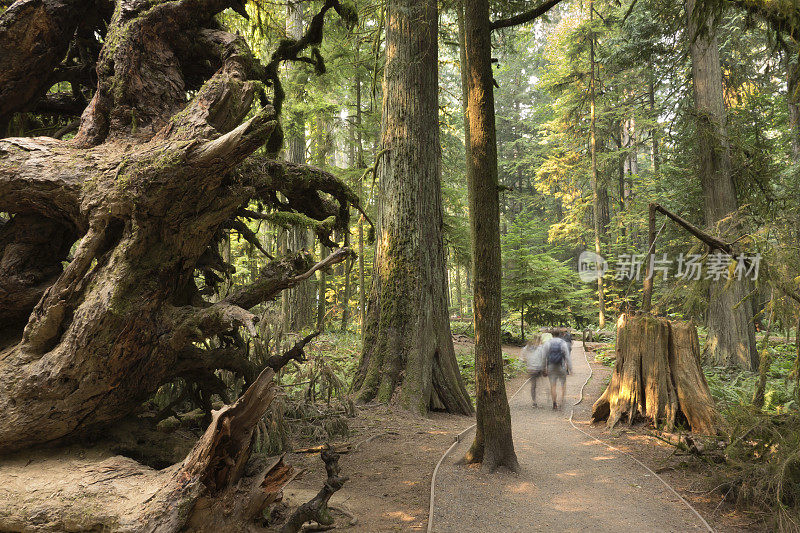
<point x="317" y="509"/>
<point x="296" y="352"/>
<point x="280" y="275"/>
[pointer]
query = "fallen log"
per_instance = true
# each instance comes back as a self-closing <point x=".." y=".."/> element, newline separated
<point x="208" y="492"/>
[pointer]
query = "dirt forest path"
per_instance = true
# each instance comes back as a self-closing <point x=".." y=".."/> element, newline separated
<point x="568" y="482"/>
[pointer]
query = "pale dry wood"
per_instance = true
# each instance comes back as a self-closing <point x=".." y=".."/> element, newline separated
<point x="657" y="377"/>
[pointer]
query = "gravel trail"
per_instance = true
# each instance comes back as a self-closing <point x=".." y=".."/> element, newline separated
<point x="568" y="482"/>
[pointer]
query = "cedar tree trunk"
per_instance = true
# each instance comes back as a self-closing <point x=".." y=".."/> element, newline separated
<point x="298" y="301"/>
<point x="731" y="334"/>
<point x="408" y="348"/>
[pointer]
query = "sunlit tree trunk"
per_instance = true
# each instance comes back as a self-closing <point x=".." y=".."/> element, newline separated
<point x="360" y="163"/>
<point x="493" y="446"/>
<point x="765" y="357"/>
<point x="597" y="213"/>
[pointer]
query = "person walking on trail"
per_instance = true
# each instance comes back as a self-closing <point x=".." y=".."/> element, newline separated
<point x="535" y="359"/>
<point x="559" y="364"/>
<point x="567" y="336"/>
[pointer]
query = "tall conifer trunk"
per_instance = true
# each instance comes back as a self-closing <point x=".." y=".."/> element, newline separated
<point x="298" y="303"/>
<point x="654" y="151"/>
<point x="793" y="97"/>
<point x="493" y="445"/>
<point x="408" y="348"/>
<point x="597" y="204"/>
<point x="731" y="334"/>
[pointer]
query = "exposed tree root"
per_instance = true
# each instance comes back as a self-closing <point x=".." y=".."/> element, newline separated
<point x="317" y="510"/>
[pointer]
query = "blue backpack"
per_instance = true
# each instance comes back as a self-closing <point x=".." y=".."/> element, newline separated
<point x="555" y="355"/>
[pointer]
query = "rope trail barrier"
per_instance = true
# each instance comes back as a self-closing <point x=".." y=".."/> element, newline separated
<point x="458" y="438"/>
<point x="450" y="449"/>
<point x="609" y="446"/>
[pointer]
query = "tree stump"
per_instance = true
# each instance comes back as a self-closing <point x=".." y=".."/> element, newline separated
<point x="657" y="377"/>
<point x="694" y="397"/>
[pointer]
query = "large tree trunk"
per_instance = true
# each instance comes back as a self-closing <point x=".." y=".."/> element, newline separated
<point x="655" y="158"/>
<point x="731" y="334"/>
<point x="631" y="164"/>
<point x="597" y="203"/>
<point x="298" y="302"/>
<point x="793" y="97"/>
<point x="493" y="446"/>
<point x="360" y="163"/>
<point x="149" y="185"/>
<point x="657" y="376"/>
<point x="407" y="340"/>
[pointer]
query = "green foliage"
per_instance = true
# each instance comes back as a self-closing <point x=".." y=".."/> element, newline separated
<point x="548" y="290"/>
<point x="606" y="355"/>
<point x="763" y="460"/>
<point x="462" y="327"/>
<point x="512" y="367"/>
<point x="733" y="388"/>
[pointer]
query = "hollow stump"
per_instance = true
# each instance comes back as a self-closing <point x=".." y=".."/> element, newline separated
<point x="657" y="377"/>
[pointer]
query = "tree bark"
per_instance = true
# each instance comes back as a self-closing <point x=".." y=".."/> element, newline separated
<point x="596" y="199"/>
<point x="458" y="291"/>
<point x="654" y="150"/>
<point x="657" y="376"/>
<point x="34" y="38"/>
<point x="316" y="509"/>
<point x="493" y="446"/>
<point x="408" y="348"/>
<point x="793" y="100"/>
<point x="631" y="164"/>
<point x="360" y="163"/>
<point x="298" y="308"/>
<point x="322" y="290"/>
<point x="765" y="358"/>
<point x="208" y="492"/>
<point x="346" y="290"/>
<point x="731" y="335"/>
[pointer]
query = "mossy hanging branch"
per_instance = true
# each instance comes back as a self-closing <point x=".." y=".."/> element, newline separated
<point x="290" y="49"/>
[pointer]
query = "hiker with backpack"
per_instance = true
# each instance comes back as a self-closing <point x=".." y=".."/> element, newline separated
<point x="567" y="336"/>
<point x="536" y="362"/>
<point x="559" y="364"/>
